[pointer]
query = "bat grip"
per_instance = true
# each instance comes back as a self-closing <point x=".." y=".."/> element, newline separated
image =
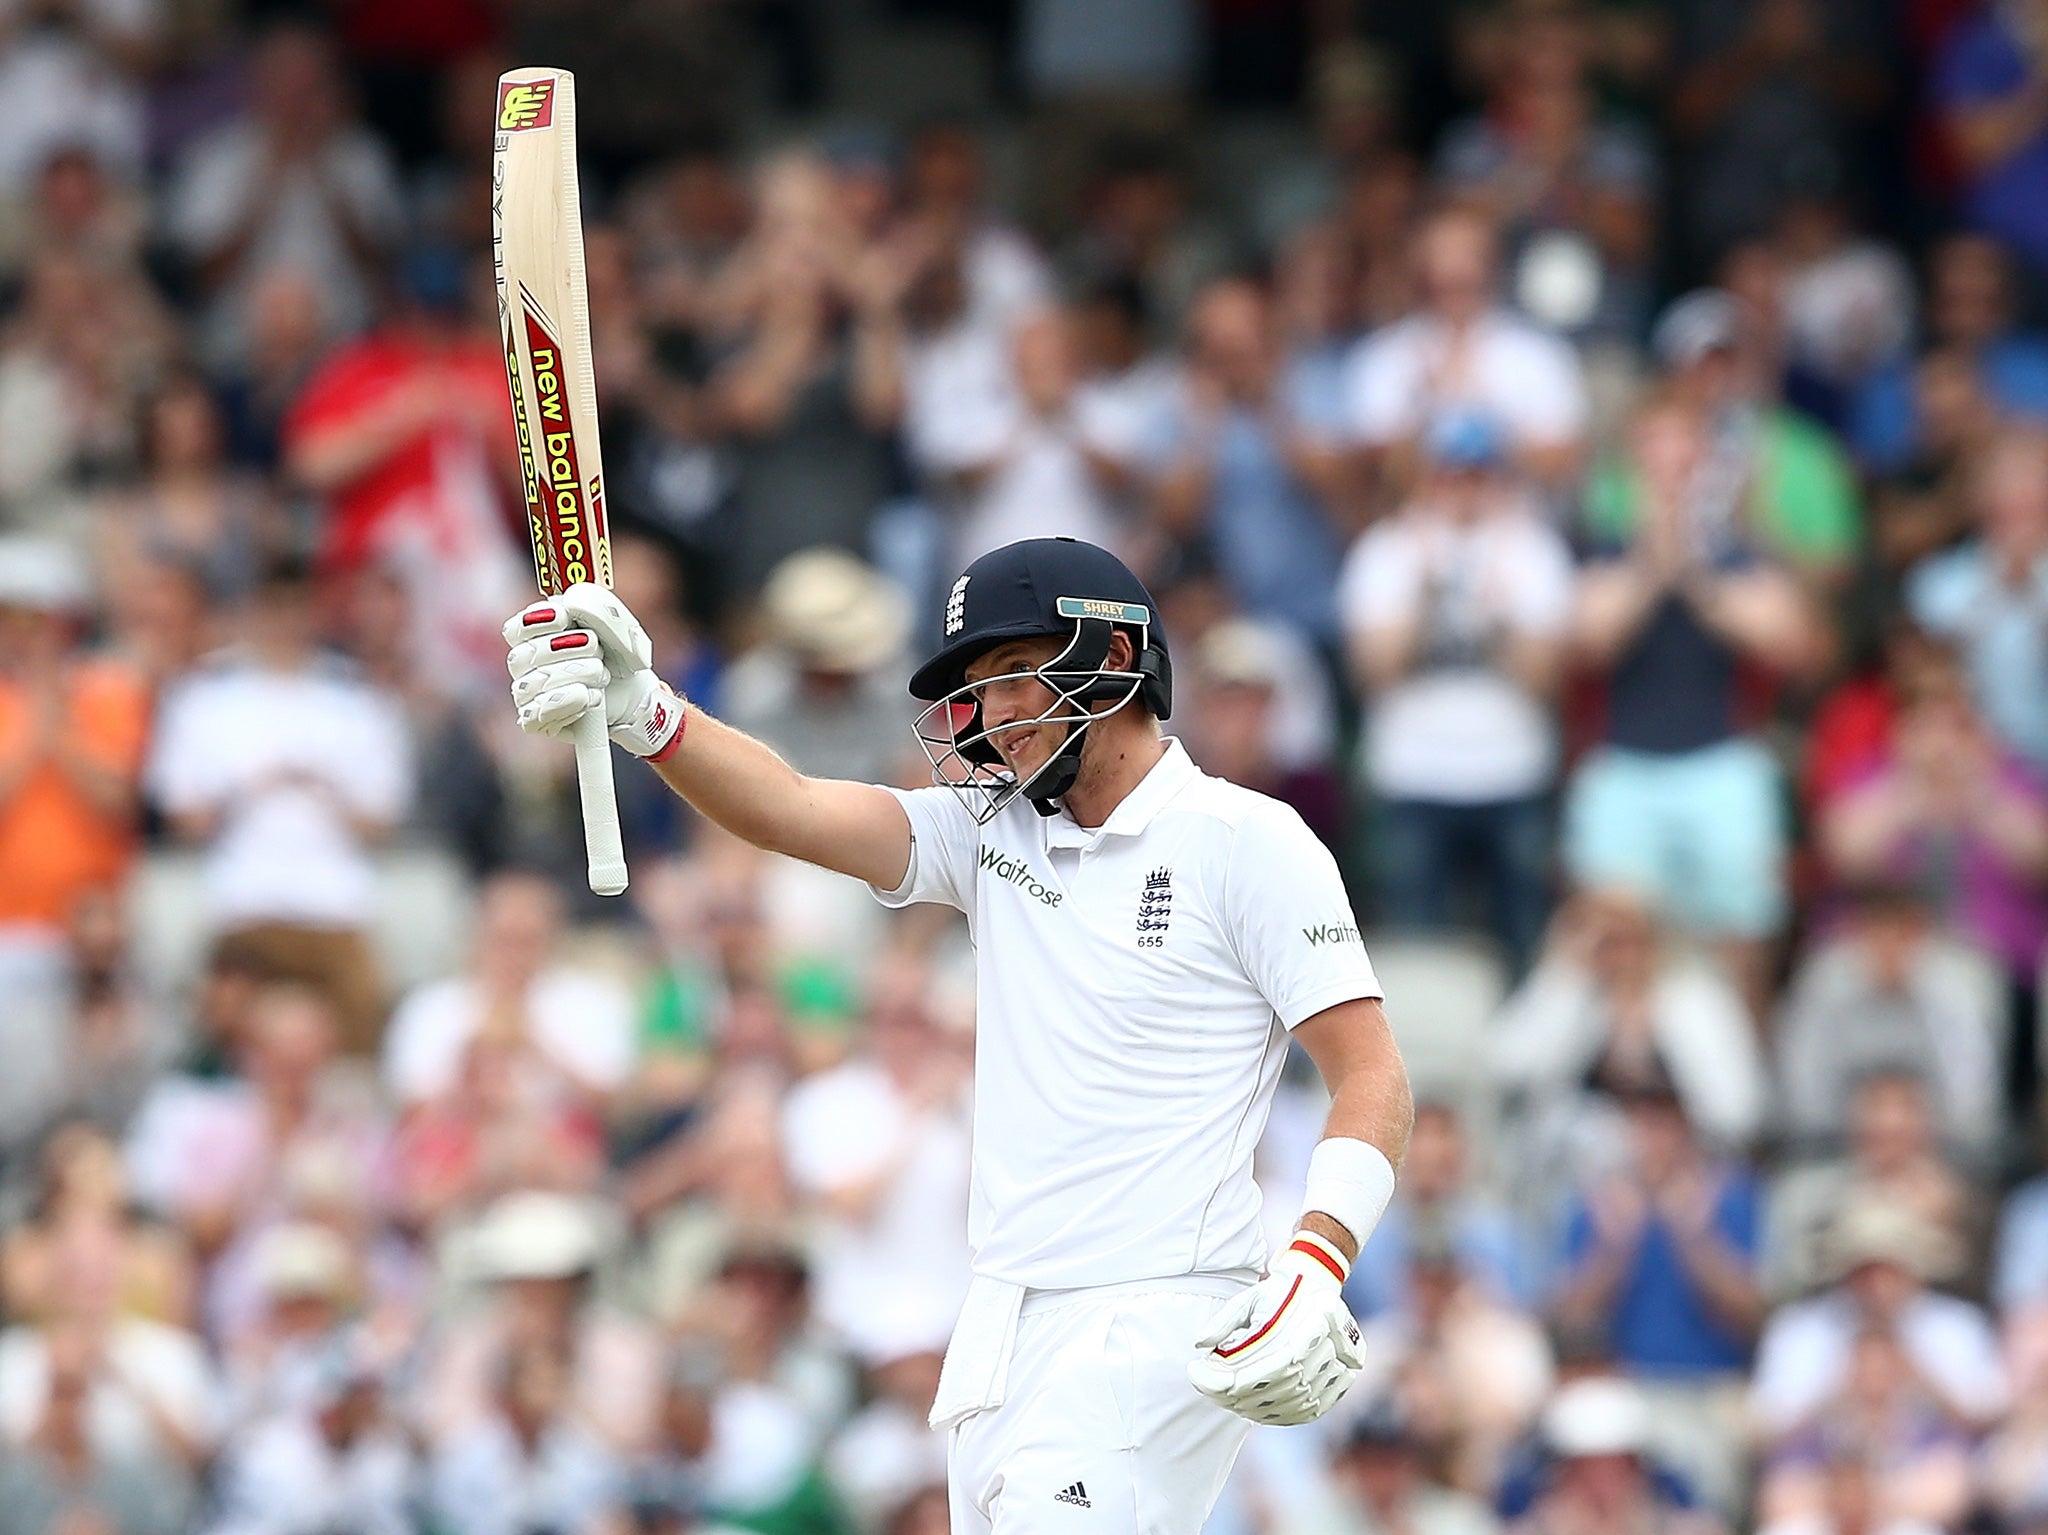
<point x="607" y="853"/>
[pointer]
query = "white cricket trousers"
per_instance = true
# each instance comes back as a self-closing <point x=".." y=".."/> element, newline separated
<point x="1099" y="1432"/>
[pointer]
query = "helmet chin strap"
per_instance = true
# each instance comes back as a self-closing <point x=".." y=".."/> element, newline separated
<point x="1049" y="785"/>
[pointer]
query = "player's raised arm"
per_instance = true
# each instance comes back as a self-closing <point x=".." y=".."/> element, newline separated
<point x="582" y="651"/>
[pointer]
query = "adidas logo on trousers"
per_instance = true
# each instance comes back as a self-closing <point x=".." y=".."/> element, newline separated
<point x="1074" y="1494"/>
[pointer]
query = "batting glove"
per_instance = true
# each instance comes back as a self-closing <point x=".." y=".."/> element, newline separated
<point x="585" y="650"/>
<point x="1285" y="1350"/>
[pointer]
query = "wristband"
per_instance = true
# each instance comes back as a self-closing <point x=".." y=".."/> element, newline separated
<point x="667" y="748"/>
<point x="1350" y="1181"/>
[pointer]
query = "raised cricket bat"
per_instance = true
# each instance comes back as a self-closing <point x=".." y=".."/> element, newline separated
<point x="544" y="324"/>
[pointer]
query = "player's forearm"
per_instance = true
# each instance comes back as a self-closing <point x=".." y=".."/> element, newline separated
<point x="741" y="785"/>
<point x="1365" y="1135"/>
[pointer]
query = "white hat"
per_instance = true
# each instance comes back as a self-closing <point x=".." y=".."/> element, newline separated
<point x="1600" y="1415"/>
<point x="1876" y="1230"/>
<point x="1241" y="651"/>
<point x="301" y="1261"/>
<point x="535" y="1235"/>
<point x="44" y="574"/>
<point x="834" y="611"/>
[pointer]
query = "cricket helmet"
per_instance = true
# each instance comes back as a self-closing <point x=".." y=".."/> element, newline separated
<point x="1054" y="587"/>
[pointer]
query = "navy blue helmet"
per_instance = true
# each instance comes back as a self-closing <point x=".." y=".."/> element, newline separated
<point x="1057" y="587"/>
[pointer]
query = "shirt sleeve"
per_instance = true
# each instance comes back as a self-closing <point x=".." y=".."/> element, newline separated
<point x="943" y="841"/>
<point x="1540" y="595"/>
<point x="1289" y="918"/>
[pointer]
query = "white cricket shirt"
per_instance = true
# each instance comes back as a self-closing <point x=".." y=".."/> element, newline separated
<point x="1135" y="983"/>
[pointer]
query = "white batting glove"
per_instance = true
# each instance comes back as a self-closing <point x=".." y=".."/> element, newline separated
<point x="585" y="650"/>
<point x="1285" y="1350"/>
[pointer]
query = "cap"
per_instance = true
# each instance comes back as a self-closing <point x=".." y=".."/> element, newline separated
<point x="301" y="1261"/>
<point x="535" y="1235"/>
<point x="1243" y="652"/>
<point x="1465" y="439"/>
<point x="835" y="612"/>
<point x="1703" y="321"/>
<point x="44" y="575"/>
<point x="1874" y="1230"/>
<point x="1599" y="1415"/>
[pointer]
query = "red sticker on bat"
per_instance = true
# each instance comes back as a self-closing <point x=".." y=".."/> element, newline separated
<point x="524" y="104"/>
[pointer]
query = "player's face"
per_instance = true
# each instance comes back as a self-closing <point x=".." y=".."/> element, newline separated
<point x="1010" y="692"/>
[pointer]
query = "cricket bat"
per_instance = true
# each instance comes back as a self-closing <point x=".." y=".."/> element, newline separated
<point x="544" y="325"/>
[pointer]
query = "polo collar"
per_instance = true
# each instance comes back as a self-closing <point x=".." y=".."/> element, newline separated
<point x="1173" y="772"/>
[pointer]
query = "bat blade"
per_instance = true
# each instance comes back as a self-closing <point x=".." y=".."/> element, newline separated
<point x="544" y="329"/>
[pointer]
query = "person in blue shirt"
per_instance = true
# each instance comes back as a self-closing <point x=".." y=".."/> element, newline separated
<point x="1990" y="84"/>
<point x="1665" y="1249"/>
<point x="1256" y="467"/>
<point x="1970" y="315"/>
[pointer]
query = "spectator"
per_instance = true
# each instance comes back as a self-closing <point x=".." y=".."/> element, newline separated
<point x="825" y="689"/>
<point x="401" y="434"/>
<point x="1767" y="476"/>
<point x="1260" y="714"/>
<point x="571" y="1029"/>
<point x="1598" y="1431"/>
<point x="1572" y="187"/>
<point x="1140" y="225"/>
<point x="877" y="1150"/>
<point x="1988" y="86"/>
<point x="2019" y="1274"/>
<point x="1460" y="349"/>
<point x="1456" y="610"/>
<point x="1989" y="596"/>
<point x="80" y="351"/>
<point x="217" y="1158"/>
<point x="336" y="1462"/>
<point x="1255" y="469"/>
<point x="1891" y="995"/>
<point x="816" y="380"/>
<point x="191" y="509"/>
<point x="286" y="771"/>
<point x="77" y="78"/>
<point x="1971" y="316"/>
<point x="1885" y="1430"/>
<point x="282" y="1362"/>
<point x="1608" y="1011"/>
<point x="1468" y="1371"/>
<point x="1884" y="1258"/>
<point x="1004" y="277"/>
<point x="1678" y="803"/>
<point x="73" y="730"/>
<point x="536" y="1254"/>
<point x="887" y="1452"/>
<point x="1052" y="456"/>
<point x="529" y="1465"/>
<point x="1763" y="85"/>
<point x="295" y="181"/>
<point x="1664" y="1248"/>
<point x="1383" y="1484"/>
<point x="93" y="1392"/>
<point x="1894" y="1155"/>
<point x="1952" y="810"/>
<point x="1440" y="1192"/>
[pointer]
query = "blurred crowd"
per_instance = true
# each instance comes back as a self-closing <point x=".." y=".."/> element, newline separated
<point x="1593" y="459"/>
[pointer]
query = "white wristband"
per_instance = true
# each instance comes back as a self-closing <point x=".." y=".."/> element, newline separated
<point x="1350" y="1181"/>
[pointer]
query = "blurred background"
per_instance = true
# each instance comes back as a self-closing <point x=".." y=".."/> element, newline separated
<point x="1592" y="456"/>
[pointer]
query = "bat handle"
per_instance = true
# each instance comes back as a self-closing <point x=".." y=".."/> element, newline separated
<point x="600" y="805"/>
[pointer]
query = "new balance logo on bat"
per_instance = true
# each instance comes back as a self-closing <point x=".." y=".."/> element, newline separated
<point x="1075" y="1494"/>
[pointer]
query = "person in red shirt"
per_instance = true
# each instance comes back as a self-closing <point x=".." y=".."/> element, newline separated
<point x="408" y="435"/>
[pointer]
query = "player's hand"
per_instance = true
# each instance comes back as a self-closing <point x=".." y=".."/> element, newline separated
<point x="1285" y="1350"/>
<point x="585" y="650"/>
